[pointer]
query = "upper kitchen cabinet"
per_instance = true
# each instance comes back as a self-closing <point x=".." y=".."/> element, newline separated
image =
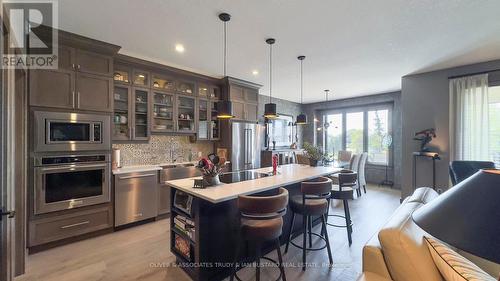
<point x="140" y="78"/>
<point x="122" y="74"/>
<point x="94" y="63"/>
<point x="140" y="109"/>
<point x="162" y="83"/>
<point x="185" y="87"/>
<point x="203" y="119"/>
<point x="163" y="112"/>
<point x="244" y="96"/>
<point x="186" y="107"/>
<point x="83" y="79"/>
<point x="215" y="93"/>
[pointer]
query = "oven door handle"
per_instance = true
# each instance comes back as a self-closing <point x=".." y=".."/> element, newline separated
<point x="73" y="167"/>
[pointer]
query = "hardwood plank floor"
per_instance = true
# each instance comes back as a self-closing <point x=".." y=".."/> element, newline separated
<point x="142" y="252"/>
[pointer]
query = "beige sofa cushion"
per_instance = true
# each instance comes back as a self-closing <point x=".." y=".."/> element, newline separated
<point x="405" y="252"/>
<point x="423" y="195"/>
<point x="453" y="266"/>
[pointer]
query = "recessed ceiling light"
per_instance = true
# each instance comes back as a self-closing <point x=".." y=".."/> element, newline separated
<point x="255" y="72"/>
<point x="179" y="48"/>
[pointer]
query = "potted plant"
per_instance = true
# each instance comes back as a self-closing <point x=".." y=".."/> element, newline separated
<point x="315" y="154"/>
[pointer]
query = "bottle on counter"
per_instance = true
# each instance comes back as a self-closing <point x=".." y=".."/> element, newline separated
<point x="275" y="164"/>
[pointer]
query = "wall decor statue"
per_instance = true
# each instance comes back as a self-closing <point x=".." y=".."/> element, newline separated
<point x="425" y="137"/>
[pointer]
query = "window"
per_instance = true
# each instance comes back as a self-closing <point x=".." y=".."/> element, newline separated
<point x="367" y="129"/>
<point x="282" y="130"/>
<point x="334" y="136"/>
<point x="354" y="132"/>
<point x="494" y="123"/>
<point x="378" y="139"/>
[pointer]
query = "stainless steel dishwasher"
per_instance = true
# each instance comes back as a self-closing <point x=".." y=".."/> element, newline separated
<point x="135" y="197"/>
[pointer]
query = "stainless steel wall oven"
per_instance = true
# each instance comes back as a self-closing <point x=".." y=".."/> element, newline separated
<point x="66" y="182"/>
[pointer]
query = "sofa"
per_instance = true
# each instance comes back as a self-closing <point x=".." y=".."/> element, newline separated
<point x="398" y="251"/>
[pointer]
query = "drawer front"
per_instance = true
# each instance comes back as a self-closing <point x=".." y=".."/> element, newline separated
<point x="65" y="226"/>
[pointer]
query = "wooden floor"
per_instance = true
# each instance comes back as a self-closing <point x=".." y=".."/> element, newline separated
<point x="142" y="253"/>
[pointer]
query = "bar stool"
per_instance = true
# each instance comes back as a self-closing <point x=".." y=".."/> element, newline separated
<point x="344" y="191"/>
<point x="312" y="202"/>
<point x="261" y="220"/>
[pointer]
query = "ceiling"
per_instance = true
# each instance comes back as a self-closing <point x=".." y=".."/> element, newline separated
<point x="354" y="47"/>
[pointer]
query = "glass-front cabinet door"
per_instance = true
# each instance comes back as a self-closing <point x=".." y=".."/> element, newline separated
<point x="141" y="78"/>
<point x="214" y="130"/>
<point x="140" y="130"/>
<point x="163" y="112"/>
<point x="187" y="88"/>
<point x="203" y="91"/>
<point x="121" y="117"/>
<point x="163" y="83"/>
<point x="186" y="114"/>
<point x="121" y="74"/>
<point x="203" y="119"/>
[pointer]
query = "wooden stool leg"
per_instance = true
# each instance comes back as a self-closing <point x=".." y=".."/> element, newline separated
<point x="280" y="260"/>
<point x="347" y="221"/>
<point x="304" y="233"/>
<point x="323" y="221"/>
<point x="257" y="262"/>
<point x="309" y="224"/>
<point x="290" y="233"/>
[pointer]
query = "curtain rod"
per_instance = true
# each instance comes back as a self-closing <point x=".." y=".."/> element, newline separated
<point x="472" y="74"/>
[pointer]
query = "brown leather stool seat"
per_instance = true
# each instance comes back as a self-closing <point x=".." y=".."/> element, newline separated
<point x="261" y="229"/>
<point x="312" y="207"/>
<point x="344" y="190"/>
<point x="261" y="221"/>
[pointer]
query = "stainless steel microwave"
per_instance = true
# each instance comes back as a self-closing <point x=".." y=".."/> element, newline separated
<point x="68" y="131"/>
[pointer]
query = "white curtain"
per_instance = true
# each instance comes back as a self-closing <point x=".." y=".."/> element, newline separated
<point x="469" y="117"/>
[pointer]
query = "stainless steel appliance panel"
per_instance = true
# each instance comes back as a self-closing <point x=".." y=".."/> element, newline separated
<point x="135" y="197"/>
<point x="246" y="146"/>
<point x="72" y="183"/>
<point x="69" y="131"/>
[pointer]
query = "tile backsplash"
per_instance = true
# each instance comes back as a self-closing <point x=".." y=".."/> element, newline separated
<point x="159" y="149"/>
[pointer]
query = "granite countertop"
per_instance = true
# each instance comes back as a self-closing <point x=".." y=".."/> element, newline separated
<point x="145" y="168"/>
<point x="288" y="174"/>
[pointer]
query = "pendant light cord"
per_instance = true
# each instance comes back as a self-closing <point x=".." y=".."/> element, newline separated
<point x="301" y="82"/>
<point x="225" y="48"/>
<point x="270" y="73"/>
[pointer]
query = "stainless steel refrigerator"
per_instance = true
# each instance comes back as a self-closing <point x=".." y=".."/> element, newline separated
<point x="247" y="140"/>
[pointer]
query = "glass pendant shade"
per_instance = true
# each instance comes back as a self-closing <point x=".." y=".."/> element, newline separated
<point x="224" y="110"/>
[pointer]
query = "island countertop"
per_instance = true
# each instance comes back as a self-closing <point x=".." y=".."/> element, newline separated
<point x="288" y="174"/>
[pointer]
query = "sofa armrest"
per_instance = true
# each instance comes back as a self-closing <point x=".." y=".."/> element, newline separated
<point x="373" y="260"/>
<point x="369" y="276"/>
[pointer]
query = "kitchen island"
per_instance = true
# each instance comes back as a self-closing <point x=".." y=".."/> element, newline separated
<point x="204" y="247"/>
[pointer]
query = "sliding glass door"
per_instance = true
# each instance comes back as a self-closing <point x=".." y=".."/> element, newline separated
<point x="354" y="132"/>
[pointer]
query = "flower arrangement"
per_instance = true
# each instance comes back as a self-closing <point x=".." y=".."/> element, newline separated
<point x="210" y="168"/>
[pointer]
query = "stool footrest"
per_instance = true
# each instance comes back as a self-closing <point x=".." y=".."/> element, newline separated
<point x="339" y="225"/>
<point x="312" y="249"/>
<point x="263" y="258"/>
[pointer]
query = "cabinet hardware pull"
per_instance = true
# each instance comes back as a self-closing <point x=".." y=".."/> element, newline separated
<point x="75" y="224"/>
<point x="73" y="98"/>
<point x="138" y="215"/>
<point x="78" y="99"/>
<point x="73" y="66"/>
<point x="78" y="66"/>
<point x="138" y="176"/>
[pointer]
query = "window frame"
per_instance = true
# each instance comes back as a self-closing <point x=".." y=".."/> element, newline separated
<point x="365" y="109"/>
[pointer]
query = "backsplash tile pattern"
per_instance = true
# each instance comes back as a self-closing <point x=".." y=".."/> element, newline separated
<point x="159" y="148"/>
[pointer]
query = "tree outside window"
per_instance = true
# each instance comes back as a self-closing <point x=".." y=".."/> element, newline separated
<point x="378" y="150"/>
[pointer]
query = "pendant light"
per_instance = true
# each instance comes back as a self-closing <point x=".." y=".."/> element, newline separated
<point x="225" y="107"/>
<point x="301" y="118"/>
<point x="270" y="108"/>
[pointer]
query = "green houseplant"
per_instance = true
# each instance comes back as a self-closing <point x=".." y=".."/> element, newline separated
<point x="315" y="154"/>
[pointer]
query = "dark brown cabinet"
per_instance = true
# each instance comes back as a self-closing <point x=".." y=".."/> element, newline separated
<point x="131" y="113"/>
<point x="82" y="82"/>
<point x="93" y="92"/>
<point x="244" y="97"/>
<point x="52" y="88"/>
<point x="90" y="62"/>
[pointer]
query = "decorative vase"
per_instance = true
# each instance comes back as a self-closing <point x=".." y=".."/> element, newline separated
<point x="313" y="162"/>
<point x="211" y="180"/>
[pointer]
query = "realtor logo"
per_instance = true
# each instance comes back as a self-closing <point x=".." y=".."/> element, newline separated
<point x="30" y="39"/>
